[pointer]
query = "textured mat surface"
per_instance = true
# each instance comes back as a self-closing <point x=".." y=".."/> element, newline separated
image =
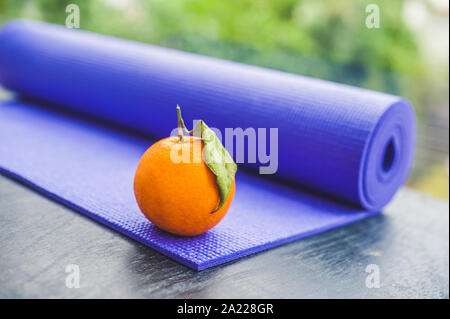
<point x="353" y="146"/>
<point x="91" y="169"/>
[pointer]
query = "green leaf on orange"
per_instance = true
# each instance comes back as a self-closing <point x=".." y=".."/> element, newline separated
<point x="218" y="160"/>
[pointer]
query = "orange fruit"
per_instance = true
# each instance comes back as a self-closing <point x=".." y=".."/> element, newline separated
<point x="178" y="197"/>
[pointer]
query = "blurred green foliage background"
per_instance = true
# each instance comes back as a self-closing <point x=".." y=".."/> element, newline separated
<point x="325" y="39"/>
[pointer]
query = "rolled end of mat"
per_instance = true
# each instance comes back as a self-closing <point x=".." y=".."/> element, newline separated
<point x="388" y="156"/>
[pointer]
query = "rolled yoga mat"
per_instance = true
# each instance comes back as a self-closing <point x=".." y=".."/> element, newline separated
<point x="343" y="151"/>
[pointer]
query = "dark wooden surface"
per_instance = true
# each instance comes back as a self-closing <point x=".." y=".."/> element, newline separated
<point x="39" y="237"/>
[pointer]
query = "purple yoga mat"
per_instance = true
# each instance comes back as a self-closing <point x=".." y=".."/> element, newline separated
<point x="342" y="152"/>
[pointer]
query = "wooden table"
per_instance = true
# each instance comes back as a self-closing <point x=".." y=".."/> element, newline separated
<point x="408" y="244"/>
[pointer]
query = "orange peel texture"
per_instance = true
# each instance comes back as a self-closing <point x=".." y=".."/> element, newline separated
<point x="178" y="197"/>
